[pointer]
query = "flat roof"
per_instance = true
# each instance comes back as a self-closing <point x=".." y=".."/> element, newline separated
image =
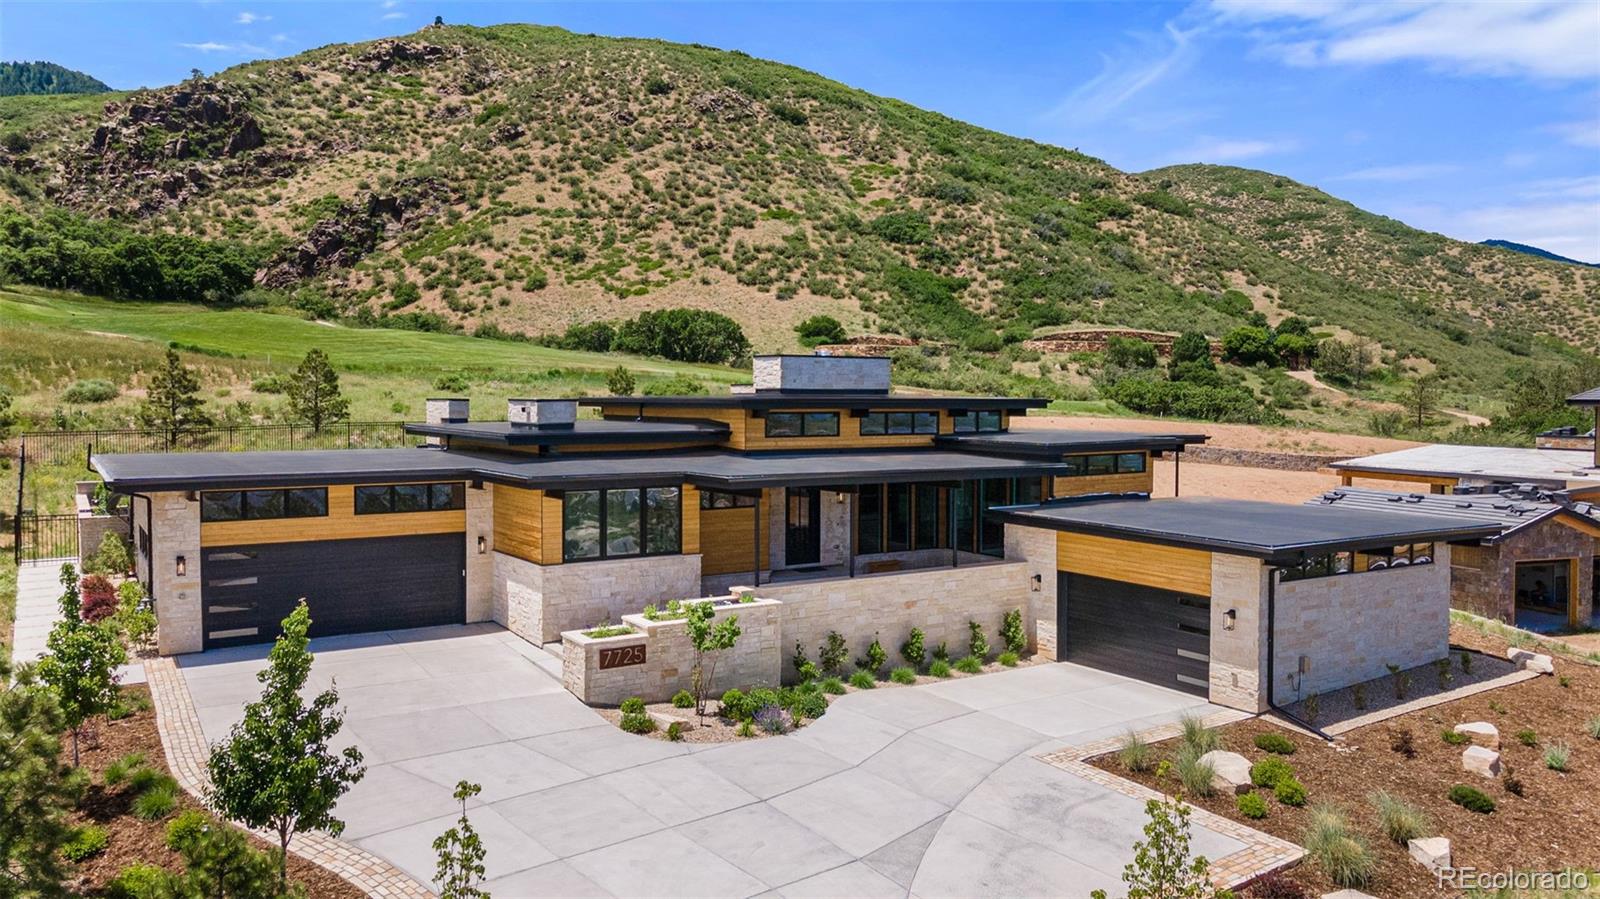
<point x="822" y="399"/>
<point x="1587" y="398"/>
<point x="1516" y="464"/>
<point x="582" y="431"/>
<point x="1508" y="512"/>
<point x="1054" y="442"/>
<point x="149" y="472"/>
<point x="1264" y="530"/>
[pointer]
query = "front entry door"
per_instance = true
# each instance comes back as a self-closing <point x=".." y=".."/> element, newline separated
<point x="802" y="544"/>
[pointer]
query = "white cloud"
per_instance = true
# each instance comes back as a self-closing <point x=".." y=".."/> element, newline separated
<point x="1549" y="39"/>
<point x="279" y="38"/>
<point x="222" y="47"/>
<point x="393" y="15"/>
<point x="390" y="4"/>
<point x="1570" y="228"/>
<point x="1397" y="173"/>
<point x="1579" y="134"/>
<point x="250" y="18"/>
<point x="1125" y="77"/>
<point x="1580" y="186"/>
<point x="1213" y="149"/>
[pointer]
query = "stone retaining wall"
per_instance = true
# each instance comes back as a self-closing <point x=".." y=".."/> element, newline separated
<point x="1222" y="455"/>
<point x="539" y="602"/>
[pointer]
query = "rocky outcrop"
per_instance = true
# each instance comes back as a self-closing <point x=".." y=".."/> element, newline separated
<point x="353" y="231"/>
<point x="386" y="55"/>
<point x="724" y="104"/>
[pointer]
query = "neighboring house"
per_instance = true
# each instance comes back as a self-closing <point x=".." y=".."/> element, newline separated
<point x="1538" y="573"/>
<point x="858" y="509"/>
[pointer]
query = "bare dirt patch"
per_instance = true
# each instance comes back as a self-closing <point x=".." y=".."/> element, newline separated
<point x="1243" y="482"/>
<point x="1233" y="436"/>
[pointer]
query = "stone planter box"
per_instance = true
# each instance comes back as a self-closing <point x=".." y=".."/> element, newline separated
<point x="93" y="526"/>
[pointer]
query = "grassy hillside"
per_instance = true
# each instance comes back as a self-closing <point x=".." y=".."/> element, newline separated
<point x="527" y="178"/>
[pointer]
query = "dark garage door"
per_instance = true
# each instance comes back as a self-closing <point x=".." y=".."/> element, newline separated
<point x="349" y="585"/>
<point x="1154" y="635"/>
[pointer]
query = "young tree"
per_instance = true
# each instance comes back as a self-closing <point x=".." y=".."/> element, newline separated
<point x="820" y="329"/>
<point x="36" y="792"/>
<point x="314" y="395"/>
<point x="621" y="382"/>
<point x="461" y="853"/>
<point x="708" y="638"/>
<point x="1162" y="867"/>
<point x="1192" y="347"/>
<point x="1249" y="344"/>
<point x="1422" y="398"/>
<point x="81" y="661"/>
<point x="275" y="769"/>
<point x="173" y="404"/>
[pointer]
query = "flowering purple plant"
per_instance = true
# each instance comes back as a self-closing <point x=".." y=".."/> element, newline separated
<point x="774" y="720"/>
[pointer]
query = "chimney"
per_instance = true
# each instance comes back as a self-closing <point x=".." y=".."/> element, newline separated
<point x="526" y="413"/>
<point x="445" y="411"/>
<point x="821" y="374"/>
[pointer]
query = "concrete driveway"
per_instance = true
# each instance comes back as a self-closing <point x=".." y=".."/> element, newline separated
<point x="927" y="790"/>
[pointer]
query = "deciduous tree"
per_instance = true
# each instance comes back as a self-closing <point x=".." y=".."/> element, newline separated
<point x="461" y="853"/>
<point x="708" y="637"/>
<point x="275" y="770"/>
<point x="80" y="663"/>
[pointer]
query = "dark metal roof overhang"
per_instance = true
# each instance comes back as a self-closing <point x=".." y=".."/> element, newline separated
<point x="1277" y="533"/>
<point x="1586" y="398"/>
<point x="1053" y="443"/>
<point x="587" y="432"/>
<point x="788" y="399"/>
<point x="847" y="469"/>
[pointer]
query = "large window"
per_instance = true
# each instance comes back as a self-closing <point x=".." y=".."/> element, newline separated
<point x="390" y="498"/>
<point x="719" y="499"/>
<point x="869" y="519"/>
<point x="1330" y="564"/>
<point x="1105" y="463"/>
<point x="976" y="422"/>
<point x="614" y="524"/>
<point x="253" y="505"/>
<point x="977" y="532"/>
<point x="897" y="518"/>
<point x="802" y="424"/>
<point x="877" y="424"/>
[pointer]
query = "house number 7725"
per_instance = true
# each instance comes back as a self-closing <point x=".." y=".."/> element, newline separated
<point x="621" y="656"/>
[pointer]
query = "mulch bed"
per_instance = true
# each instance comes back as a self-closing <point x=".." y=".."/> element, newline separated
<point x="1551" y="826"/>
<point x="136" y="841"/>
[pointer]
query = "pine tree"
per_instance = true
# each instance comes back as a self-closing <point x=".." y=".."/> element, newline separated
<point x="173" y="404"/>
<point x="36" y="792"/>
<point x="275" y="769"/>
<point x="81" y="661"/>
<point x="314" y="395"/>
<point x="461" y="853"/>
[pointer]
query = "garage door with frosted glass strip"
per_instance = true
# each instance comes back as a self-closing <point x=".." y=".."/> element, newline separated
<point x="350" y="586"/>
<point x="1159" y="636"/>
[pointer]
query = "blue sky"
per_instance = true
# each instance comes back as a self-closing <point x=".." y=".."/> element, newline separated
<point x="1477" y="120"/>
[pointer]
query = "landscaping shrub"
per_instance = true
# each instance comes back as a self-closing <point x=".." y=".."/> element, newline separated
<point x="977" y="643"/>
<point x="1471" y="799"/>
<point x="157" y="802"/>
<point x="118" y="770"/>
<point x="1008" y="659"/>
<point x="1454" y="737"/>
<point x="683" y="699"/>
<point x="92" y="390"/>
<point x="1557" y="755"/>
<point x="139" y="881"/>
<point x="904" y="675"/>
<point x="939" y="668"/>
<point x="635" y="720"/>
<point x="143" y="778"/>
<point x="832" y="655"/>
<point x="861" y="680"/>
<point x="112" y="557"/>
<point x="1134" y="753"/>
<point x="187" y="827"/>
<point x="135" y="618"/>
<point x="1197" y="736"/>
<point x="675" y="732"/>
<point x="875" y="659"/>
<point x="833" y="686"/>
<point x="1290" y="791"/>
<point x="1195" y="775"/>
<point x="1277" y="886"/>
<point x="1012" y="633"/>
<point x="1592" y="727"/>
<point x="1402" y="742"/>
<point x="746" y="729"/>
<point x="774" y="720"/>
<point x="1251" y="805"/>
<point x="803" y="702"/>
<point x="1336" y="849"/>
<point x="803" y="667"/>
<point x="969" y="665"/>
<point x="1271" y="741"/>
<point x="99" y="598"/>
<point x="1510" y="780"/>
<point x="1527" y="737"/>
<point x="86" y="842"/>
<point x="913" y="650"/>
<point x="632" y="704"/>
<point x="735" y="705"/>
<point x="1399" y="820"/>
<point x="941" y="652"/>
<point x="1270" y="770"/>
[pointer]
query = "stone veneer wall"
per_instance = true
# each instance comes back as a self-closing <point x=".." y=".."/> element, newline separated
<point x="669" y="656"/>
<point x="480" y="566"/>
<point x="1239" y="655"/>
<point x="176" y="525"/>
<point x="538" y="602"/>
<point x="1036" y="548"/>
<point x="1484" y="578"/>
<point x="1351" y="626"/>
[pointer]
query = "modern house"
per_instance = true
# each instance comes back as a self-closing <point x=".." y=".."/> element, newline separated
<point x="855" y="508"/>
<point x="1540" y="572"/>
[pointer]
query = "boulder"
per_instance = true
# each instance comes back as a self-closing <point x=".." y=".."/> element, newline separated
<point x="1482" y="733"/>
<point x="1432" y="853"/>
<point x="1532" y="661"/>
<point x="1478" y="760"/>
<point x="1347" y="894"/>
<point x="664" y="720"/>
<point x="1230" y="771"/>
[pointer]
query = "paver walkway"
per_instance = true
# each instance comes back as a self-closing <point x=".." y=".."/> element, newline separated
<point x="931" y="790"/>
<point x="38" y="590"/>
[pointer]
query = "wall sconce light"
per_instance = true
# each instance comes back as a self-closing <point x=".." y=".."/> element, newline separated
<point x="1230" y="618"/>
<point x="483" y="545"/>
<point x="1038" y="583"/>
<point x="183" y="566"/>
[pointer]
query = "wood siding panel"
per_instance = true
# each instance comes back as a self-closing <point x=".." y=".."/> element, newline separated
<point x="691" y="519"/>
<point x="341" y="523"/>
<point x="725" y="538"/>
<point x="1151" y="564"/>
<point x="748" y="432"/>
<point x="553" y="529"/>
<point x="1140" y="482"/>
<point x="518" y="522"/>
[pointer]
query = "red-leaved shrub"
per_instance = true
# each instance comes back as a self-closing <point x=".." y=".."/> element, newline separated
<point x="99" y="598"/>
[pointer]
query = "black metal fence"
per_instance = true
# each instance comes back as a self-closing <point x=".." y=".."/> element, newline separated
<point x="66" y="447"/>
<point x="45" y="536"/>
